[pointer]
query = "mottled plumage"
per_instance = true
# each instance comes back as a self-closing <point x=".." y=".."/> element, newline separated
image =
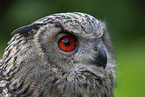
<point x="35" y="65"/>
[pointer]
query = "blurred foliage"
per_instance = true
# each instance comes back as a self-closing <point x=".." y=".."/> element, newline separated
<point x="125" y="22"/>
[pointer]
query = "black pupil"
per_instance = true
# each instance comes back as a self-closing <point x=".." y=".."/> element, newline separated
<point x="66" y="42"/>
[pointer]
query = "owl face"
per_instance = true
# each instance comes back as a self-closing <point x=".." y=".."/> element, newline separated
<point x="66" y="54"/>
<point x="71" y="47"/>
<point x="73" y="40"/>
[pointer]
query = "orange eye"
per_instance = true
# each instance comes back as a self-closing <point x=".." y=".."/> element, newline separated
<point x="66" y="43"/>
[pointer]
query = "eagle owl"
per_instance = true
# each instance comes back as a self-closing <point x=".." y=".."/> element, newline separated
<point x="60" y="55"/>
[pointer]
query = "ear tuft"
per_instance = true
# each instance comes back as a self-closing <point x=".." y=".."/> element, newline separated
<point x="26" y="29"/>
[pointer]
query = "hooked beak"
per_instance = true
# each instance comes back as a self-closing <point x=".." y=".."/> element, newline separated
<point x="100" y="57"/>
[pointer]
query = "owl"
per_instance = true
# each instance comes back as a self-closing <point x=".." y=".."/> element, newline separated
<point x="60" y="55"/>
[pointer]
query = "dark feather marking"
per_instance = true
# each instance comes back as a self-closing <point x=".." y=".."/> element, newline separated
<point x="41" y="94"/>
<point x="26" y="91"/>
<point x="7" y="60"/>
<point x="26" y="29"/>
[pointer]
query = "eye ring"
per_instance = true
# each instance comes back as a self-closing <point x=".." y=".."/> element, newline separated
<point x="67" y="43"/>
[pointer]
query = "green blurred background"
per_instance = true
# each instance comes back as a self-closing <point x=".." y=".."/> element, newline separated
<point x="125" y="21"/>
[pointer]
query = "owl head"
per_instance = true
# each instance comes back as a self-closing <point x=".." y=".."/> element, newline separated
<point x="60" y="55"/>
